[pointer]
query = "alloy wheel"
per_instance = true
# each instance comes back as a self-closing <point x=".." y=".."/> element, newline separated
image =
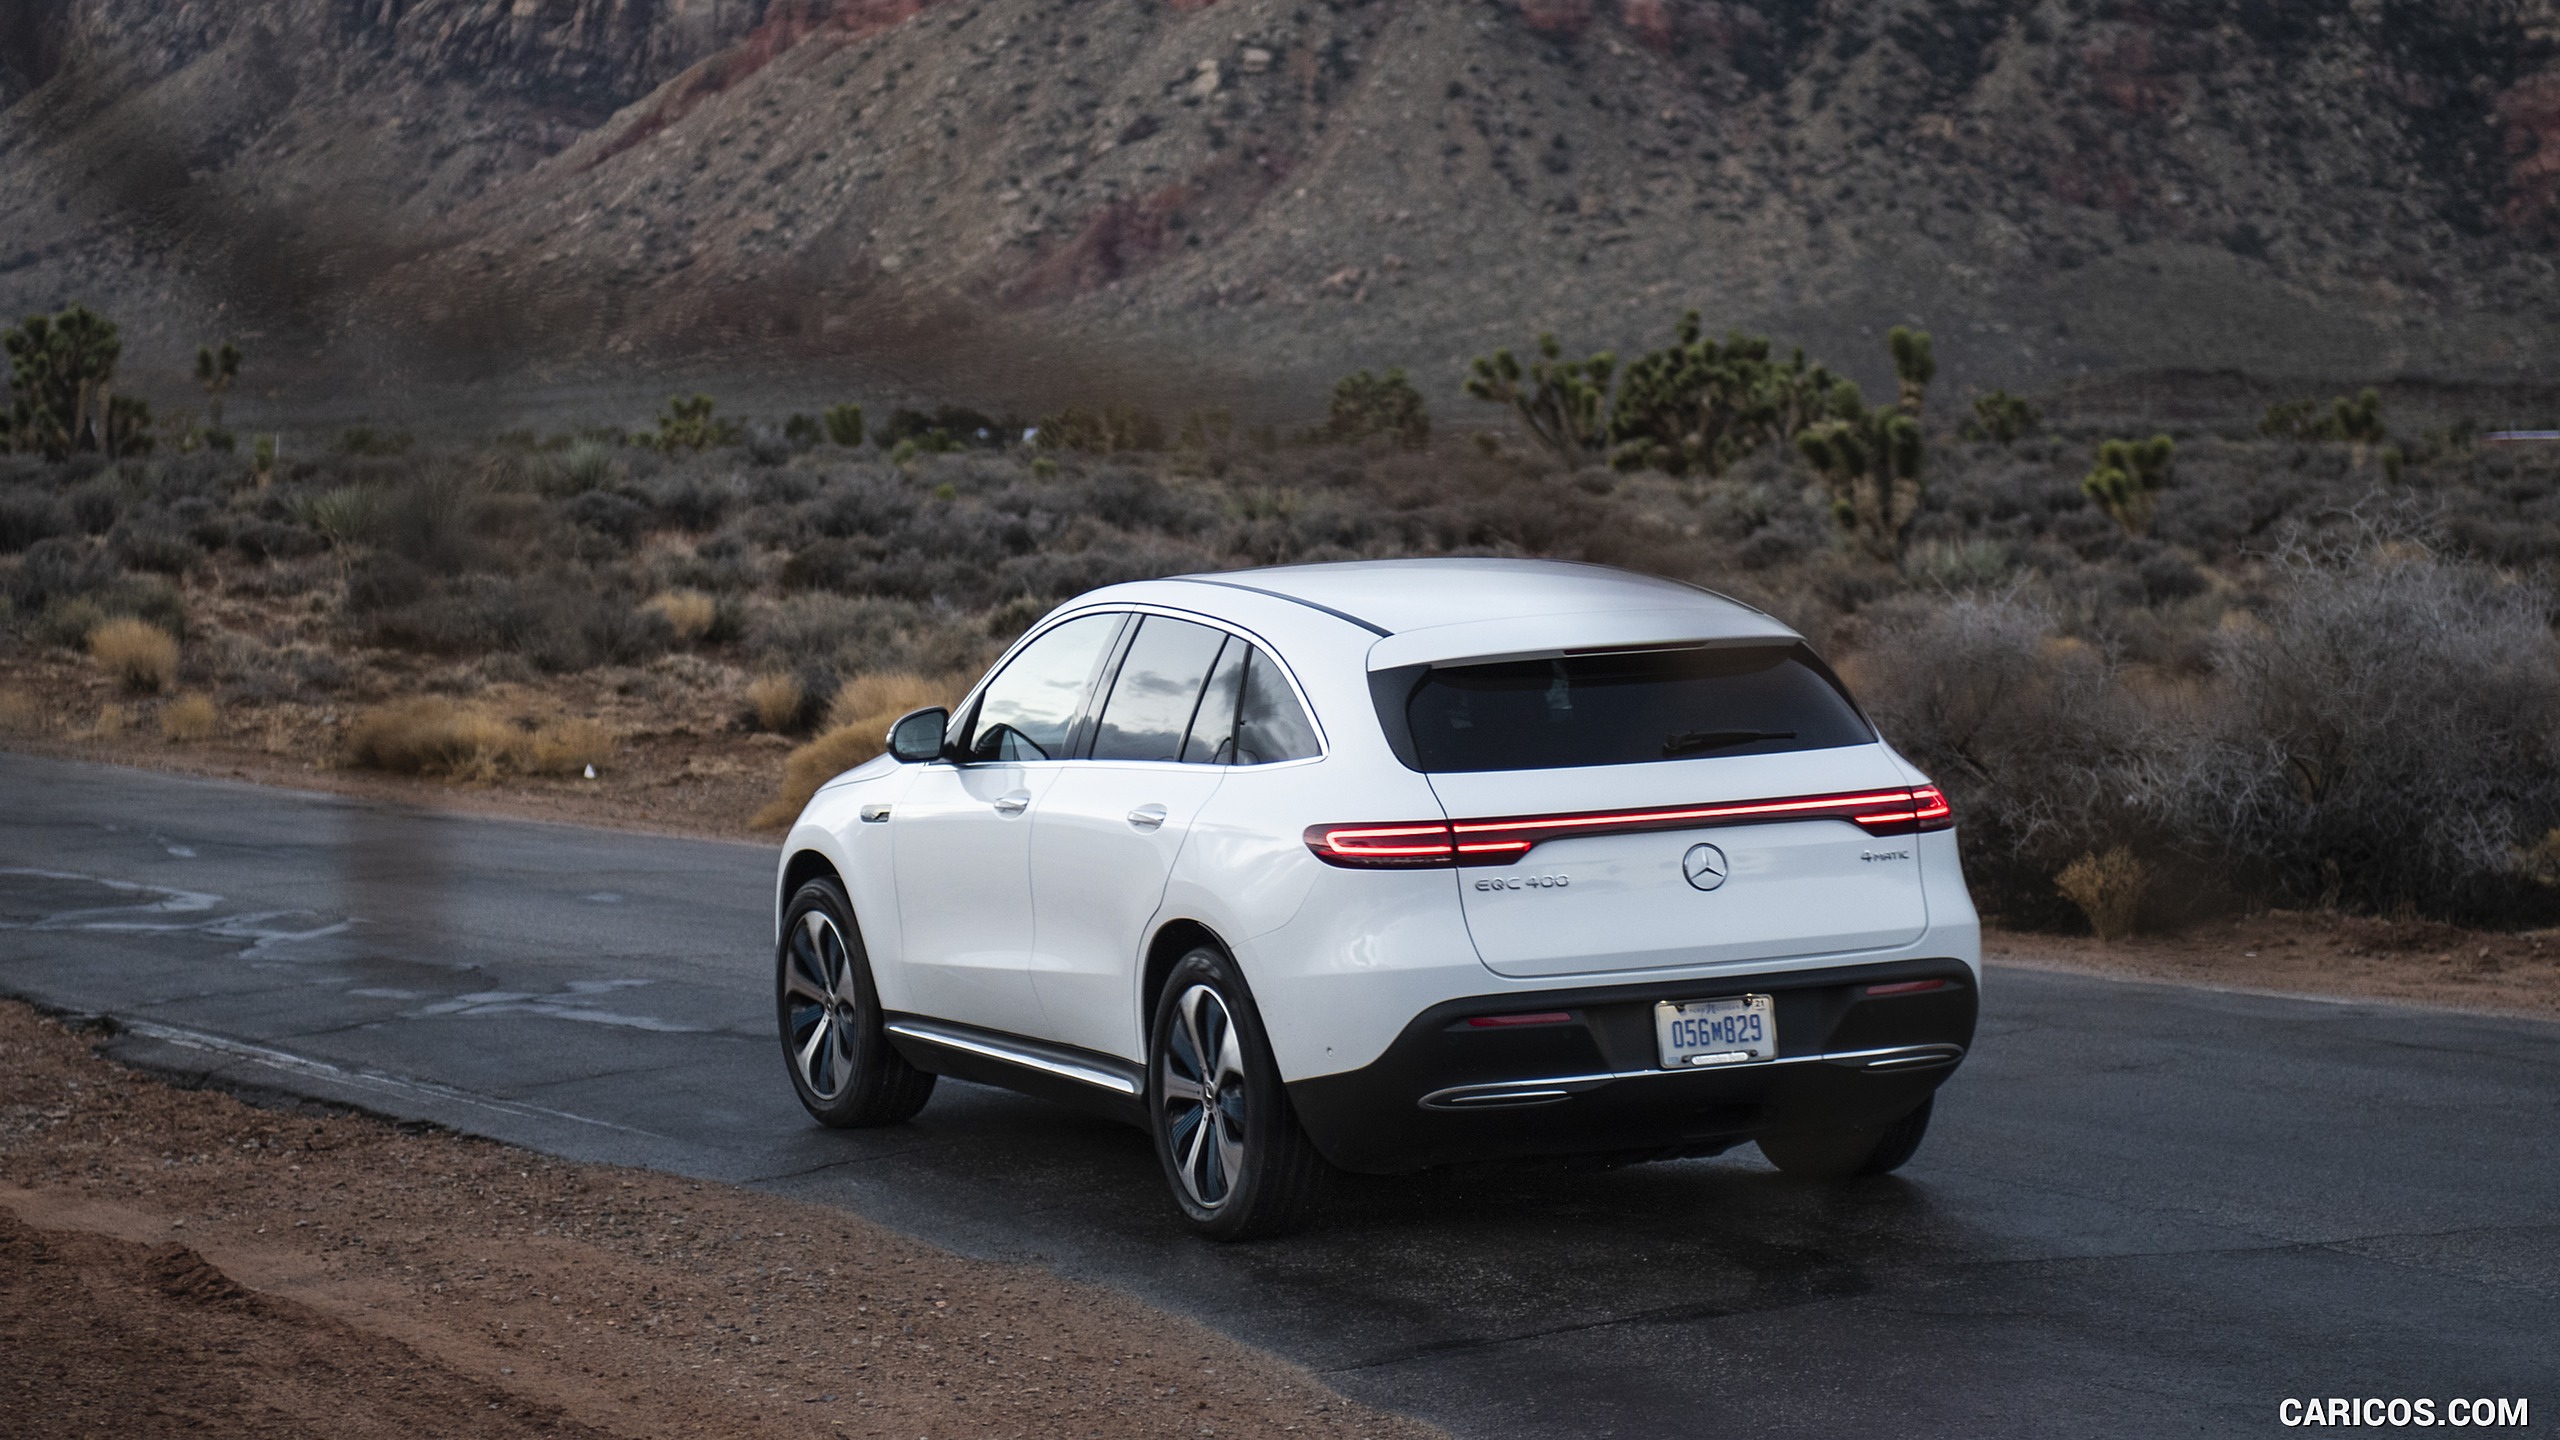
<point x="825" y="1007"/>
<point x="1201" y="1085"/>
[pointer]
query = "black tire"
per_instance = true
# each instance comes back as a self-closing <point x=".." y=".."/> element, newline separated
<point x="848" y="1076"/>
<point x="1234" y="1156"/>
<point x="1844" y="1154"/>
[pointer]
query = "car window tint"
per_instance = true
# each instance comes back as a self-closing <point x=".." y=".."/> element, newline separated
<point x="1271" y="725"/>
<point x="1027" y="710"/>
<point x="1213" y="728"/>
<point x="1630" y="708"/>
<point x="1159" y="685"/>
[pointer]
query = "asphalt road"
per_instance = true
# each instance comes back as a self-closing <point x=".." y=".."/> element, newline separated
<point x="2143" y="1210"/>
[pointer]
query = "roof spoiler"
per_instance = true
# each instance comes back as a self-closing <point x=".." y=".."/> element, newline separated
<point x="1547" y="637"/>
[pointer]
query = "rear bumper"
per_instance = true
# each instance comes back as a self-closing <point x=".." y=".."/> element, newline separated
<point x="1446" y="1092"/>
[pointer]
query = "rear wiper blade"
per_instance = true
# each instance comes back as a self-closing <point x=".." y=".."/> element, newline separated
<point x="1697" y="740"/>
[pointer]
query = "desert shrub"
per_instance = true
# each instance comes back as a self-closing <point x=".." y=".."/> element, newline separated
<point x="431" y="735"/>
<point x="270" y="540"/>
<point x="857" y="730"/>
<point x="2026" y="728"/>
<point x="776" y="700"/>
<point x="618" y="517"/>
<point x="690" y="502"/>
<point x="67" y="620"/>
<point x="566" y="747"/>
<point x="884" y="696"/>
<point x="1104" y="431"/>
<point x="141" y="656"/>
<point x="560" y="623"/>
<point x="27" y="518"/>
<point x="160" y="551"/>
<point x="2380" y="735"/>
<point x="97" y="504"/>
<point x="189" y="718"/>
<point x="585" y="465"/>
<point x="1377" y="407"/>
<point x="19" y="712"/>
<point x="2109" y="889"/>
<point x="689" y="614"/>
<point x="813" y="765"/>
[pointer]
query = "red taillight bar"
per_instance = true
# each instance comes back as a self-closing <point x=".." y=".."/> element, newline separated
<point x="1502" y="841"/>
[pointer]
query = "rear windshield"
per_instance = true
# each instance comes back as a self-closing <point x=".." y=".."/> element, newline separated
<point x="1629" y="708"/>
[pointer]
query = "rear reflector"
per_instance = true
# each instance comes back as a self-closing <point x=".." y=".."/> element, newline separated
<point x="1906" y="987"/>
<point x="1506" y="1022"/>
<point x="1395" y="845"/>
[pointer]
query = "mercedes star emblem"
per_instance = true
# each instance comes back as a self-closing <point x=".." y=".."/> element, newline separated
<point x="1705" y="866"/>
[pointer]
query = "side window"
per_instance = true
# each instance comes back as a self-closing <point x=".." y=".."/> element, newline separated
<point x="1026" y="712"/>
<point x="1213" y="730"/>
<point x="1270" y="725"/>
<point x="1158" y="689"/>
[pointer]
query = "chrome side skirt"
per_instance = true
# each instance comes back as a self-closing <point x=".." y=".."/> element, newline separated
<point x="1547" y="1090"/>
<point x="1025" y="1054"/>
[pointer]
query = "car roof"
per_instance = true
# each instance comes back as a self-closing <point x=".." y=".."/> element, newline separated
<point x="1394" y="596"/>
<point x="1440" y="609"/>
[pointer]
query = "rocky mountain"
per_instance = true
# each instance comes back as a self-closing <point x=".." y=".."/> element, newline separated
<point x="1013" y="200"/>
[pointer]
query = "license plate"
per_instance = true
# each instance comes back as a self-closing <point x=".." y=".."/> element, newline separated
<point x="1735" y="1030"/>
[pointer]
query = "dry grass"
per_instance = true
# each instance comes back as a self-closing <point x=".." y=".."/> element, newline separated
<point x="431" y="735"/>
<point x="568" y="747"/>
<point x="776" y="701"/>
<point x="19" y="713"/>
<point x="110" y="722"/>
<point x="689" y="613"/>
<point x="141" y="655"/>
<point x="2108" y="888"/>
<point x="188" y="719"/>
<point x="885" y="697"/>
<point x="857" y="730"/>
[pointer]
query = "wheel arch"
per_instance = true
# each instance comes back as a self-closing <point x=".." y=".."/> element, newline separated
<point x="1175" y="939"/>
<point x="805" y="865"/>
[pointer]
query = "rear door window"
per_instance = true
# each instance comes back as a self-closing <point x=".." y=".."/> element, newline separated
<point x="1152" y="702"/>
<point x="1629" y="708"/>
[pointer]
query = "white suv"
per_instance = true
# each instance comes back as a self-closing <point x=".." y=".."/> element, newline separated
<point x="1386" y="865"/>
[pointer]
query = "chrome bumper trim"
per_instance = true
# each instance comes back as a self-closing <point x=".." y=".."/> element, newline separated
<point x="1547" y="1090"/>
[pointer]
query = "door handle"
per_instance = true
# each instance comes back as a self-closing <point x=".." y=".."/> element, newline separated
<point x="1147" y="817"/>
<point x="1013" y="802"/>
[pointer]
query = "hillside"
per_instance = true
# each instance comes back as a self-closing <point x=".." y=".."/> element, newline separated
<point x="1013" y="200"/>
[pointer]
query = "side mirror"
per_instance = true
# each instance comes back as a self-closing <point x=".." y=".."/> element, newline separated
<point x="917" y="737"/>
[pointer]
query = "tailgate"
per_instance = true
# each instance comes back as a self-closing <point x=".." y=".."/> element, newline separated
<point x="1755" y="886"/>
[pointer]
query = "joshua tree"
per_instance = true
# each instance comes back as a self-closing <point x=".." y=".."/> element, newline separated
<point x="1701" y="405"/>
<point x="690" y="425"/>
<point x="215" y="370"/>
<point x="1870" y="459"/>
<point x="2128" y="474"/>
<point x="2000" y="417"/>
<point x="60" y="370"/>
<point x="1381" y="407"/>
<point x="844" y="425"/>
<point x="1915" y="364"/>
<point x="1564" y="402"/>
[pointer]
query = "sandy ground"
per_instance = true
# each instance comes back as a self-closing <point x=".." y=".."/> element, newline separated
<point x="2317" y="953"/>
<point x="180" y="1262"/>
